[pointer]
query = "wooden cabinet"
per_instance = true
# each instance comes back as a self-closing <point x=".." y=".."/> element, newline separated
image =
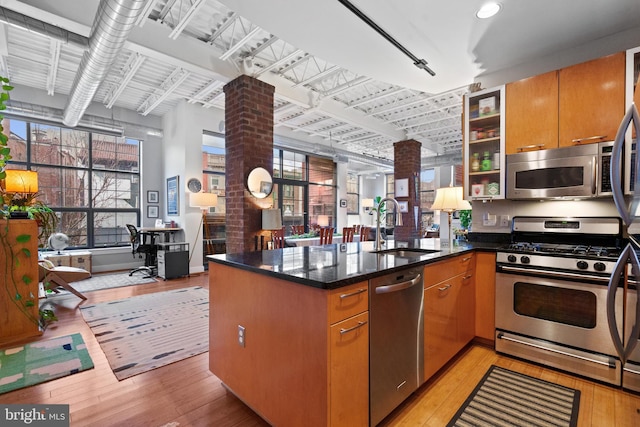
<point x="305" y="358"/>
<point x="485" y="289"/>
<point x="449" y="306"/>
<point x="580" y="104"/>
<point x="532" y="113"/>
<point x="19" y="252"/>
<point x="484" y="128"/>
<point x="591" y="101"/>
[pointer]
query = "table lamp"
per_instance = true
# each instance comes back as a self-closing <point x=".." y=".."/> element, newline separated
<point x="449" y="199"/>
<point x="271" y="219"/>
<point x="22" y="185"/>
<point x="323" y="220"/>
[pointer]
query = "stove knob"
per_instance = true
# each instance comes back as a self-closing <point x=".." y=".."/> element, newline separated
<point x="583" y="265"/>
<point x="525" y="259"/>
<point x="512" y="258"/>
<point x="599" y="266"/>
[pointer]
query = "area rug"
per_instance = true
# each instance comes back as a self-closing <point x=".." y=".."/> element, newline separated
<point x="42" y="361"/>
<point x="144" y="332"/>
<point x="507" y="398"/>
<point x="108" y="281"/>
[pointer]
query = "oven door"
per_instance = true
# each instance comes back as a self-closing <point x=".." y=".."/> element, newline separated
<point x="557" y="322"/>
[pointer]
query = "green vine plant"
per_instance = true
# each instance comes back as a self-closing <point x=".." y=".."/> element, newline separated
<point x="15" y="288"/>
<point x="5" y="152"/>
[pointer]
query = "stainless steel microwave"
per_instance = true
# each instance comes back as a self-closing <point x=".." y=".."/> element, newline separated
<point x="580" y="171"/>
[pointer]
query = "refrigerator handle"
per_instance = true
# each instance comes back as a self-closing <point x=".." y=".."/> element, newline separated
<point x="611" y="302"/>
<point x="630" y="345"/>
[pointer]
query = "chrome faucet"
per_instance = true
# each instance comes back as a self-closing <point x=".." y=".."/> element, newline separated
<point x="379" y="240"/>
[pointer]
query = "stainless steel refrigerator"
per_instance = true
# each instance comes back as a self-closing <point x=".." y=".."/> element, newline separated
<point x="627" y="345"/>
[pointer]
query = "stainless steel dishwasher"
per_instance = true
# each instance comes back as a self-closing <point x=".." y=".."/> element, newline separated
<point x="396" y="337"/>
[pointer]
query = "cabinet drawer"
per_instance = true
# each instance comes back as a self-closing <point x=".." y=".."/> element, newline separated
<point x="348" y="301"/>
<point x="443" y="270"/>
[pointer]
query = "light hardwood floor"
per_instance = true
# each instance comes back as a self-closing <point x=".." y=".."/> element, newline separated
<point x="188" y="394"/>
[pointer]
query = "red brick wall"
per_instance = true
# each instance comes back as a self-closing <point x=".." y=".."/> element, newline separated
<point x="249" y="144"/>
<point x="406" y="164"/>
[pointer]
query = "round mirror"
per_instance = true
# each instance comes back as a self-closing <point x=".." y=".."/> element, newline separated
<point x="259" y="183"/>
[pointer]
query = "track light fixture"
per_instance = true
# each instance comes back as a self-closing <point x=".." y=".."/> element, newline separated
<point x="420" y="63"/>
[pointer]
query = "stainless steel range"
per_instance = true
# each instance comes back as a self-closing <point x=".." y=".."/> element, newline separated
<point x="551" y="294"/>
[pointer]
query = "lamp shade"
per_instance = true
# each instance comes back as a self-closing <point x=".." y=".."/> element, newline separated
<point x="21" y="181"/>
<point x="450" y="199"/>
<point x="271" y="219"/>
<point x="367" y="203"/>
<point x="203" y="200"/>
<point x="323" y="220"/>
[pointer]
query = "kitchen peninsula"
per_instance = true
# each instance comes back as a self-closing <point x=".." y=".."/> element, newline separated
<point x="289" y="328"/>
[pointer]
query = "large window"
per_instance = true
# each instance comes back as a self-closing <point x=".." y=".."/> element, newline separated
<point x="427" y="196"/>
<point x="213" y="170"/>
<point x="304" y="188"/>
<point x="353" y="193"/>
<point x="91" y="180"/>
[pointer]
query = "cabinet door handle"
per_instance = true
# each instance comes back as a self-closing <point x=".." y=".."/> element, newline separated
<point x="587" y="139"/>
<point x="444" y="288"/>
<point x="359" y="291"/>
<point x="353" y="328"/>
<point x="466" y="259"/>
<point x="467" y="277"/>
<point x="529" y="147"/>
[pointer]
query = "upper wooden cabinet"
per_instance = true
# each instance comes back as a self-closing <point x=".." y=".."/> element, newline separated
<point x="580" y="104"/>
<point x="591" y="101"/>
<point x="532" y="113"/>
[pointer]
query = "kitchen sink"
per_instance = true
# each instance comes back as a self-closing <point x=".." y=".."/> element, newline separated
<point x="406" y="252"/>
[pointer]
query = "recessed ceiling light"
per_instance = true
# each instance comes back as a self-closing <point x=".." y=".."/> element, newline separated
<point x="488" y="10"/>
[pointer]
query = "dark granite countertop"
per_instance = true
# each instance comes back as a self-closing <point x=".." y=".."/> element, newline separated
<point x="337" y="265"/>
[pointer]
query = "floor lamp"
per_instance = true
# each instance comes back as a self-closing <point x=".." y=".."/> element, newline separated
<point x="204" y="201"/>
<point x="449" y="199"/>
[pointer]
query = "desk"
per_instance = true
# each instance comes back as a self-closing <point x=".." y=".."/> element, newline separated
<point x="168" y="232"/>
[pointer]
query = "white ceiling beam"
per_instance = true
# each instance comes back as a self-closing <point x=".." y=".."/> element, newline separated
<point x="233" y="49"/>
<point x="318" y="76"/>
<point x="358" y="81"/>
<point x="280" y="61"/>
<point x="231" y="19"/>
<point x="166" y="88"/>
<point x="54" y="61"/>
<point x="188" y="16"/>
<point x="134" y="62"/>
<point x="146" y="11"/>
<point x="377" y="97"/>
<point x="199" y="97"/>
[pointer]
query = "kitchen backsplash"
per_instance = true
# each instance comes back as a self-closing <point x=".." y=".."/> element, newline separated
<point x="498" y="209"/>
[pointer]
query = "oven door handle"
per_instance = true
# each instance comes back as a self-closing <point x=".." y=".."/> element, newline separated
<point x="551" y="274"/>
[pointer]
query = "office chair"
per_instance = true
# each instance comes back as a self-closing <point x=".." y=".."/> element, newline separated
<point x="139" y="245"/>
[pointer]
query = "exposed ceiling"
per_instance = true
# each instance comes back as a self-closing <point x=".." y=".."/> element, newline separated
<point x="339" y="85"/>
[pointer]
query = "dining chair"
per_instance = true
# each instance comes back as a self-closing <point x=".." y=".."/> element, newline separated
<point x="364" y="233"/>
<point x="326" y="235"/>
<point x="347" y="234"/>
<point x="277" y="237"/>
<point x="297" y="229"/>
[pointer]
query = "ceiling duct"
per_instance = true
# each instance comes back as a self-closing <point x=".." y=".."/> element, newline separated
<point x="113" y="22"/>
<point x="53" y="116"/>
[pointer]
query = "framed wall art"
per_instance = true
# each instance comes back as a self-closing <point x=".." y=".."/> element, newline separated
<point x="152" y="211"/>
<point x="173" y="196"/>
<point x="153" y="196"/>
<point x="402" y="187"/>
<point x="343" y="203"/>
<point x="404" y="207"/>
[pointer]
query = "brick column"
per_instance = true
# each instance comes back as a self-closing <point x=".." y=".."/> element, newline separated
<point x="406" y="164"/>
<point x="249" y="144"/>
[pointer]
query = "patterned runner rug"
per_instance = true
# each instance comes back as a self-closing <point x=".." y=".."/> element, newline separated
<point x="507" y="398"/>
<point x="42" y="361"/>
<point x="142" y="333"/>
<point x="107" y="281"/>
